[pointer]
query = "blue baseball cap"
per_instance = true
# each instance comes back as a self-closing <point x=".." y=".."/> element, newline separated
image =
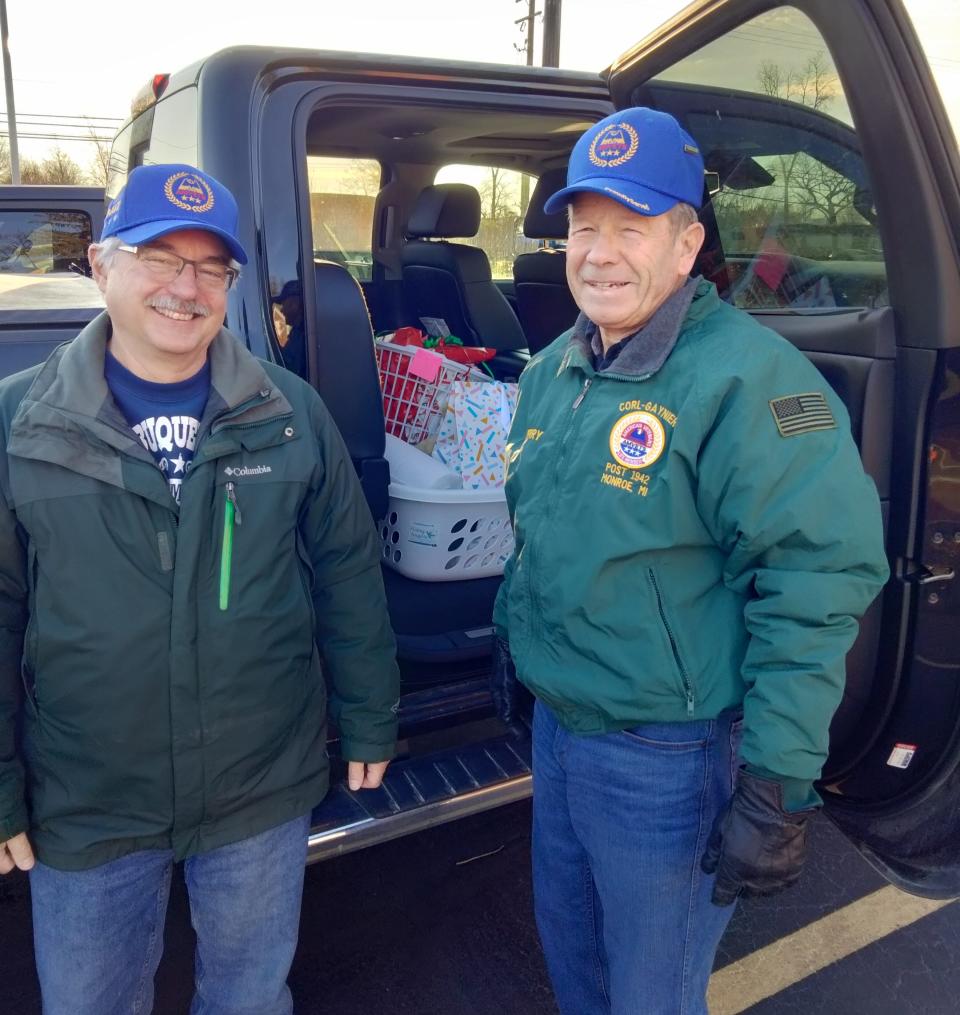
<point x="640" y="157"/>
<point x="157" y="200"/>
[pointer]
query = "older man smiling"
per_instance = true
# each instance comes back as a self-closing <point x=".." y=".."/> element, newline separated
<point x="682" y="581"/>
<point x="183" y="541"/>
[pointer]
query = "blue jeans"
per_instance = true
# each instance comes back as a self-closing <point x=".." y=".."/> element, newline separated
<point x="98" y="933"/>
<point x="620" y="822"/>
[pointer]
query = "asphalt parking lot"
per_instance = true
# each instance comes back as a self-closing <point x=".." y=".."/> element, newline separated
<point x="440" y="923"/>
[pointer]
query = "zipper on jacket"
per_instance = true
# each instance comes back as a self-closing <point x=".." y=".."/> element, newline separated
<point x="231" y="517"/>
<point x="560" y="458"/>
<point x="687" y="686"/>
<point x="583" y="394"/>
<point x="225" y="422"/>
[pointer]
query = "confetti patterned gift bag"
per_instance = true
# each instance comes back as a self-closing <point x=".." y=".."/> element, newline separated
<point x="473" y="434"/>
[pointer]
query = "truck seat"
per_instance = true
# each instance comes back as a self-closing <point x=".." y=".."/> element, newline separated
<point x="545" y="305"/>
<point x="347" y="377"/>
<point x="452" y="280"/>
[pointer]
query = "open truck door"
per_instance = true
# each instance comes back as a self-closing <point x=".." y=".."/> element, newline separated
<point x="834" y="216"/>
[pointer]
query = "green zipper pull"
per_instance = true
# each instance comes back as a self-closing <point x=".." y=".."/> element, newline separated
<point x="231" y="516"/>
<point x="232" y="498"/>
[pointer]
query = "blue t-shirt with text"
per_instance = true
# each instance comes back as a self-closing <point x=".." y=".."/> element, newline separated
<point x="165" y="417"/>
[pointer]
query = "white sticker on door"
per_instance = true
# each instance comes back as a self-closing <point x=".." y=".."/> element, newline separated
<point x="901" y="755"/>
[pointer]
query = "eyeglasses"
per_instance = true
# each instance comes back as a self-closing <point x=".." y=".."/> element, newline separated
<point x="166" y="266"/>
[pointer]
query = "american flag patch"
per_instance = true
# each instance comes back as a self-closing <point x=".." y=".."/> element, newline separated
<point x="797" y="414"/>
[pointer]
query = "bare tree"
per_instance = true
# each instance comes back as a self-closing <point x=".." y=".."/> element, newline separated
<point x="822" y="190"/>
<point x="499" y="221"/>
<point x="362" y="176"/>
<point x="58" y="167"/>
<point x="99" y="170"/>
<point x="813" y="85"/>
<point x="498" y="198"/>
<point x="31" y="171"/>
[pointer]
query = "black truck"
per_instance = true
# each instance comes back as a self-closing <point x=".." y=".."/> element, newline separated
<point x="833" y="215"/>
<point x="46" y="293"/>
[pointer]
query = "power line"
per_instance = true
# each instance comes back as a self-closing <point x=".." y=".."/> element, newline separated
<point x="61" y="137"/>
<point x="68" y="116"/>
<point x="59" y="126"/>
<point x="772" y="40"/>
<point x="788" y="33"/>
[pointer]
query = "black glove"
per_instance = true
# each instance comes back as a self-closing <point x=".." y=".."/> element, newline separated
<point x="756" y="847"/>
<point x="513" y="702"/>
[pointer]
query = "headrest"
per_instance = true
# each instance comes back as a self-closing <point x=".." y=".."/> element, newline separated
<point x="446" y="209"/>
<point x="537" y="224"/>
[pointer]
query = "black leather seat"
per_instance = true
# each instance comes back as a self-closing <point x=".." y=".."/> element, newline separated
<point x="451" y="280"/>
<point x="347" y="377"/>
<point x="544" y="303"/>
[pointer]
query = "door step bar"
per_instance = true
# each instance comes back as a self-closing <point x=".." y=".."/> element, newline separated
<point x="420" y="793"/>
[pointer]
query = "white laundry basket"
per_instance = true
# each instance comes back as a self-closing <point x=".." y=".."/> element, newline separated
<point x="446" y="535"/>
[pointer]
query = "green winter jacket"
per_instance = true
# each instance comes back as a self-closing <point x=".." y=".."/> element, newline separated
<point x="160" y="668"/>
<point x="678" y="554"/>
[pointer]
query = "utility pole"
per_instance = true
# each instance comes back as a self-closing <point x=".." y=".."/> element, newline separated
<point x="551" y="33"/>
<point x="529" y="23"/>
<point x="551" y="56"/>
<point x="528" y="29"/>
<point x="11" y="112"/>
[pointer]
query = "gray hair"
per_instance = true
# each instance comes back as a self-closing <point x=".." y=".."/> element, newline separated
<point x="683" y="215"/>
<point x="103" y="253"/>
<point x="106" y="251"/>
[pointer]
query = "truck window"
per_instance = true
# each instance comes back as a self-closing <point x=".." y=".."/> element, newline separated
<point x="504" y="196"/>
<point x="43" y="257"/>
<point x="42" y="242"/>
<point x="119" y="160"/>
<point x="164" y="132"/>
<point x="793" y="222"/>
<point x="343" y="194"/>
<point x="173" y="133"/>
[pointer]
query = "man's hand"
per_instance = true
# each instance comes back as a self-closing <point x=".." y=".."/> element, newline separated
<point x="756" y="847"/>
<point x="512" y="701"/>
<point x="16" y="852"/>
<point x="365" y="774"/>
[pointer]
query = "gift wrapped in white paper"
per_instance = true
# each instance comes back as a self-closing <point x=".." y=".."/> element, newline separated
<point x="473" y="434"/>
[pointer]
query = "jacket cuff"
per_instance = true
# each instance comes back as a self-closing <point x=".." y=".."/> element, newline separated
<point x="14" y="822"/>
<point x="798" y="794"/>
<point x="355" y="750"/>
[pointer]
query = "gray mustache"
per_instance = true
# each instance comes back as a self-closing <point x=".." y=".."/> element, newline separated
<point x="178" y="306"/>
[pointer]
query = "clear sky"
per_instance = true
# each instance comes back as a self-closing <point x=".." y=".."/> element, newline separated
<point x="89" y="58"/>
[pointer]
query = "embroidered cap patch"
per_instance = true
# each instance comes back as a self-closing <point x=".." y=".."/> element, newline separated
<point x="189" y="191"/>
<point x="797" y="414"/>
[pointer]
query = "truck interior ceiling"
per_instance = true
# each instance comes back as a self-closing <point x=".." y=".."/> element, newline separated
<point x="497" y="154"/>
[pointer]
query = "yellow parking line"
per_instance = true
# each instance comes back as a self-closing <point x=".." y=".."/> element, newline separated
<point x="779" y="965"/>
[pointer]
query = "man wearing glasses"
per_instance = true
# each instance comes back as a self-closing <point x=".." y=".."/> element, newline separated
<point x="183" y="540"/>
